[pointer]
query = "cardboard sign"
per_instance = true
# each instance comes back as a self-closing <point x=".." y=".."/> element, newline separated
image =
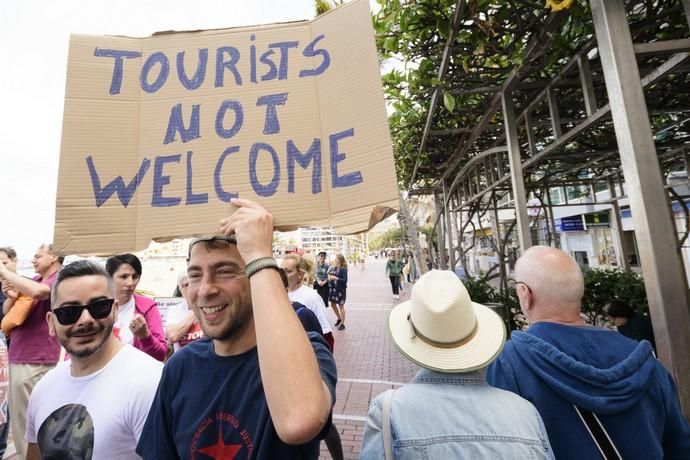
<point x="166" y="305"/>
<point x="159" y="133"/>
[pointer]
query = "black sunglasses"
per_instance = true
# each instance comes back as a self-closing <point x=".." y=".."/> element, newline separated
<point x="70" y="314"/>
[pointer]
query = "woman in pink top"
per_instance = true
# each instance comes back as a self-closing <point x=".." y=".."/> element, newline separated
<point x="139" y="321"/>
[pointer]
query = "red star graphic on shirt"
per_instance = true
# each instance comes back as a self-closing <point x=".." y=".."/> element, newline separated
<point x="220" y="450"/>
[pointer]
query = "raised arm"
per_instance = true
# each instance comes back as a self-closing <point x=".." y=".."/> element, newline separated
<point x="298" y="398"/>
<point x="32" y="288"/>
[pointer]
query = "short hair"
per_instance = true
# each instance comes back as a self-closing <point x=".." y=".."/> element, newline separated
<point x="49" y="247"/>
<point x="212" y="242"/>
<point x="77" y="270"/>
<point x="113" y="263"/>
<point x="322" y="253"/>
<point x="11" y="253"/>
<point x="619" y="309"/>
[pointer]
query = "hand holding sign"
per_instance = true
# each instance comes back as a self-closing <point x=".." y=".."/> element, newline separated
<point x="252" y="226"/>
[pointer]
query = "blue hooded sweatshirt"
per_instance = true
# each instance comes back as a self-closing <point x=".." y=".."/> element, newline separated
<point x="555" y="366"/>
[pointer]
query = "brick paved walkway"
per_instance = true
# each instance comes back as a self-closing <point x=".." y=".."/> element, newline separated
<point x="368" y="362"/>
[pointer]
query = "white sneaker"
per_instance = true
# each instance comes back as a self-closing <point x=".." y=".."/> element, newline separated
<point x="396" y="296"/>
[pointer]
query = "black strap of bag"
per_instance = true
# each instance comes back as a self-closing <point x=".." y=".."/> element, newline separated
<point x="599" y="435"/>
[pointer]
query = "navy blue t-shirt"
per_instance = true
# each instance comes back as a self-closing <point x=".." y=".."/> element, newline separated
<point x="210" y="406"/>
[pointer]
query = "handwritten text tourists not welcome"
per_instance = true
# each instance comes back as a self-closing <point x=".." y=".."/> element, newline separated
<point x="185" y="121"/>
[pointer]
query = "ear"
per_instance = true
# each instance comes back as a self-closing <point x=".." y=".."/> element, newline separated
<point x="116" y="310"/>
<point x="50" y="319"/>
<point x="524" y="297"/>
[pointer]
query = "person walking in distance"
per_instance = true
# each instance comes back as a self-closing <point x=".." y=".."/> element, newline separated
<point x="321" y="278"/>
<point x="393" y="270"/>
<point x="337" y="281"/>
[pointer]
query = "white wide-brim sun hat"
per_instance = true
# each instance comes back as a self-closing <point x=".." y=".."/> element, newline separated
<point x="441" y="329"/>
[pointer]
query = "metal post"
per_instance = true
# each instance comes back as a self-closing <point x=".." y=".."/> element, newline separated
<point x="518" y="182"/>
<point x="587" y="86"/>
<point x="553" y="111"/>
<point x="440" y="234"/>
<point x="617" y="226"/>
<point x="529" y="128"/>
<point x="449" y="228"/>
<point x="555" y="238"/>
<point x="663" y="270"/>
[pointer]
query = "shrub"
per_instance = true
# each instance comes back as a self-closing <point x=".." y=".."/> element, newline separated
<point x="603" y="285"/>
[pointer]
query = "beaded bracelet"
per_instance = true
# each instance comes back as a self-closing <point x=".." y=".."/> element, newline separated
<point x="259" y="264"/>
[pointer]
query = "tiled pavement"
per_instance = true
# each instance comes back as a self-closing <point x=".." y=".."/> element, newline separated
<point x="367" y="360"/>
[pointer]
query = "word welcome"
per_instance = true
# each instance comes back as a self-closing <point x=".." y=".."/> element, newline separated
<point x="293" y="156"/>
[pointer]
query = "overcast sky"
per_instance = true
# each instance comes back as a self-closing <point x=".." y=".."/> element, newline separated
<point x="34" y="38"/>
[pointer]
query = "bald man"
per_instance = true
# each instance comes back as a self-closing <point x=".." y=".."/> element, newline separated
<point x="599" y="393"/>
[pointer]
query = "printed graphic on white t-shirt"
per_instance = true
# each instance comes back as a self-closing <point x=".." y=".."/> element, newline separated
<point x="124" y="317"/>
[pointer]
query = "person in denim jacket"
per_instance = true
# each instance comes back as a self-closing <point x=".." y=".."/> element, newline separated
<point x="448" y="410"/>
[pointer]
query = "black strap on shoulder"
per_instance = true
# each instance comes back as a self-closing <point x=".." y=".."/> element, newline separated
<point x="599" y="435"/>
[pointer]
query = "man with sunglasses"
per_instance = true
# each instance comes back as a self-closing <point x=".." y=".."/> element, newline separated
<point x="257" y="386"/>
<point x="95" y="404"/>
<point x="33" y="351"/>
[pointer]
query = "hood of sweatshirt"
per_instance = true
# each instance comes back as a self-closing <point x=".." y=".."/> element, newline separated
<point x="596" y="369"/>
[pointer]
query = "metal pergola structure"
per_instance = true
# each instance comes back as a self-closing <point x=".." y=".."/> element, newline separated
<point x="590" y="123"/>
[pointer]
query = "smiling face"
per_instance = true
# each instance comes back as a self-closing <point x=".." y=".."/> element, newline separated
<point x="126" y="280"/>
<point x="86" y="337"/>
<point x="218" y="291"/>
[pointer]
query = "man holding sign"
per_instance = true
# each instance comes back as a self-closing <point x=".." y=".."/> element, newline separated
<point x="257" y="387"/>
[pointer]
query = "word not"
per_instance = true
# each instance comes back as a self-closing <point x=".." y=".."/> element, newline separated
<point x="155" y="70"/>
<point x="176" y="123"/>
<point x="313" y="157"/>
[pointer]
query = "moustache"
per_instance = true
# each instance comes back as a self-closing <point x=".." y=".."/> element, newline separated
<point x="84" y="331"/>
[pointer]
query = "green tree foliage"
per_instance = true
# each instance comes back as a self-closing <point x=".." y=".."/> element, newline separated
<point x="392" y="238"/>
<point x="602" y="286"/>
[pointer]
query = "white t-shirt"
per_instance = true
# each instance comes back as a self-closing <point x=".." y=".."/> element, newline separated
<point x="177" y="314"/>
<point x="102" y="413"/>
<point x="124" y="317"/>
<point x="313" y="301"/>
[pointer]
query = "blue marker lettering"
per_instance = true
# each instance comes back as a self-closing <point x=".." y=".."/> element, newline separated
<point x="272" y="69"/>
<point x="220" y="116"/>
<point x="156" y="58"/>
<point x="283" y="47"/>
<point x="271" y="123"/>
<point x="220" y="191"/>
<point x="310" y="52"/>
<point x="230" y="65"/>
<point x="295" y="156"/>
<point x="260" y="189"/>
<point x="200" y="73"/>
<point x="117" y="185"/>
<point x="176" y="124"/>
<point x="193" y="198"/>
<point x="116" y="82"/>
<point x="160" y="181"/>
<point x="349" y="179"/>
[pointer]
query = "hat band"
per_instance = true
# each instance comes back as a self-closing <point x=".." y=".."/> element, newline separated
<point x="415" y="333"/>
